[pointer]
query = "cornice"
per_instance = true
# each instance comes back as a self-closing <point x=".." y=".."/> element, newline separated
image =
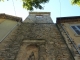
<point x="68" y="19"/>
<point x="10" y="17"/>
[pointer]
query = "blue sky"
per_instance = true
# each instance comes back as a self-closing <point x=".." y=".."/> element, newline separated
<point x="53" y="6"/>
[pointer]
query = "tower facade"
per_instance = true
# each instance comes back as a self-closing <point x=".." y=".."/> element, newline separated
<point x="37" y="38"/>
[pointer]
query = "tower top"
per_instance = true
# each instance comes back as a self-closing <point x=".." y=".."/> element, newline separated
<point x="39" y="13"/>
<point x="38" y="17"/>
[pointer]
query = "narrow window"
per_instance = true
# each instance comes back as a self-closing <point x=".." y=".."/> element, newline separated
<point x="39" y="16"/>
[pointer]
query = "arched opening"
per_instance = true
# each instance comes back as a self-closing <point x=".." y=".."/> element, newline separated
<point x="32" y="52"/>
<point x="28" y="52"/>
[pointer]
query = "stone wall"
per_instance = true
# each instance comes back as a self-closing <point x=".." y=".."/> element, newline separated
<point x="37" y="38"/>
<point x="50" y="44"/>
<point x="41" y="17"/>
<point x="54" y="47"/>
<point x="10" y="46"/>
<point x="71" y="38"/>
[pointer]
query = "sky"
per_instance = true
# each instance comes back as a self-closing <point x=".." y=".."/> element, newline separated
<point x="58" y="8"/>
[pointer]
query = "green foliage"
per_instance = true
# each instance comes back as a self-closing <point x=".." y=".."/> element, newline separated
<point x="1" y="0"/>
<point x="77" y="2"/>
<point x="31" y="4"/>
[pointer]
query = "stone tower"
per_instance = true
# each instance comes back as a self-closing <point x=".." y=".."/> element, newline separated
<point x="37" y="38"/>
<point x="41" y="39"/>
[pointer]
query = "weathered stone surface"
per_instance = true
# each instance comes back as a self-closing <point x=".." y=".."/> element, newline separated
<point x="20" y="44"/>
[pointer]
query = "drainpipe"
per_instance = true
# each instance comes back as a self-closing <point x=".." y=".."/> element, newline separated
<point x="71" y="40"/>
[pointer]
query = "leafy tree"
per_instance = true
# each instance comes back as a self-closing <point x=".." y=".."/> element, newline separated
<point x="76" y="2"/>
<point x="31" y="4"/>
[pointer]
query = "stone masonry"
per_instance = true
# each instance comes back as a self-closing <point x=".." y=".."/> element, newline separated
<point x="35" y="41"/>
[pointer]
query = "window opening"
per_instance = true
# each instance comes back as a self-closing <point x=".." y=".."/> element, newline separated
<point x="76" y="29"/>
<point x="39" y="16"/>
